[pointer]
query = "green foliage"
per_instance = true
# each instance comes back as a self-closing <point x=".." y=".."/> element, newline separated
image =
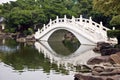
<point x="110" y="8"/>
<point x="28" y="58"/>
<point x="107" y="6"/>
<point x="115" y="21"/>
<point x="113" y="33"/>
<point x="30" y="30"/>
<point x="10" y="43"/>
<point x="71" y="45"/>
<point x="22" y="14"/>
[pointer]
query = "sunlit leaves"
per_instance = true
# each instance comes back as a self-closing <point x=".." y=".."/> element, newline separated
<point x="115" y="21"/>
<point x="107" y="6"/>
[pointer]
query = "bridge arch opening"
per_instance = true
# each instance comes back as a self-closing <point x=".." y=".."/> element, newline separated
<point x="63" y="42"/>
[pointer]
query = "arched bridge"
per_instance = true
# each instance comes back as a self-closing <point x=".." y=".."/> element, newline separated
<point x="86" y="30"/>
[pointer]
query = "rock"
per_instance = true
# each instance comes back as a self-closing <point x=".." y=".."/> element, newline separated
<point x="107" y="64"/>
<point x="29" y="38"/>
<point x="110" y="72"/>
<point x="21" y="39"/>
<point x="98" y="69"/>
<point x="84" y="77"/>
<point x="109" y="51"/>
<point x="95" y="73"/>
<point x="91" y="77"/>
<point x="101" y="45"/>
<point x="105" y="49"/>
<point x="98" y="60"/>
<point x="5" y="35"/>
<point x="105" y="71"/>
<point x="116" y="65"/>
<point x="116" y="57"/>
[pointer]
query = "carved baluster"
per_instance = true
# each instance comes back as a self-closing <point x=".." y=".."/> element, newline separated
<point x="90" y="24"/>
<point x="38" y="30"/>
<point x="101" y="25"/>
<point x="90" y="20"/>
<point x="57" y="19"/>
<point x="113" y="28"/>
<point x="80" y="18"/>
<point x="73" y="19"/>
<point x="50" y="22"/>
<point x="65" y="18"/>
<point x="44" y="27"/>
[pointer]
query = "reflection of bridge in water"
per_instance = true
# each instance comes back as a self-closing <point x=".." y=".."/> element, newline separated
<point x="80" y="56"/>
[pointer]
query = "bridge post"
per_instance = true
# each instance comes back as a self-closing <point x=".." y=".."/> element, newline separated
<point x="90" y="19"/>
<point x="101" y="25"/>
<point x="38" y="30"/>
<point x="43" y="27"/>
<point x="101" y="30"/>
<point x="50" y="22"/>
<point x="73" y="19"/>
<point x="80" y="18"/>
<point x="57" y="19"/>
<point x="65" y="18"/>
<point x="113" y="28"/>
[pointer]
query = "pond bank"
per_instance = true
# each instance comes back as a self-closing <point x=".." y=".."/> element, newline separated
<point x="104" y="67"/>
<point x="18" y="37"/>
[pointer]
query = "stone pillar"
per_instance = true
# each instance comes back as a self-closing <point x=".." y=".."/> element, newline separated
<point x="101" y="30"/>
<point x="44" y="27"/>
<point x="65" y="18"/>
<point x="3" y="26"/>
<point x="113" y="28"/>
<point x="57" y="19"/>
<point x="50" y="22"/>
<point x="73" y="19"/>
<point x="80" y="18"/>
<point x="38" y="31"/>
<point x="90" y="20"/>
<point x="101" y="25"/>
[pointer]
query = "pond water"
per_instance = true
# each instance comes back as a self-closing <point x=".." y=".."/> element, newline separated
<point x="41" y="60"/>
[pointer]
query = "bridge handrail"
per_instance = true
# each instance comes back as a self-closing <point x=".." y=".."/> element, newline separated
<point x="92" y="22"/>
<point x="88" y="26"/>
<point x="81" y="20"/>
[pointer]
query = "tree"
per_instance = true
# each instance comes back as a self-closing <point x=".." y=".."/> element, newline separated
<point x="23" y="14"/>
<point x="107" y="6"/>
<point x="115" y="21"/>
<point x="110" y="8"/>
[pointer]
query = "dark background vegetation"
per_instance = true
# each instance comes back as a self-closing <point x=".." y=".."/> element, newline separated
<point x="25" y="16"/>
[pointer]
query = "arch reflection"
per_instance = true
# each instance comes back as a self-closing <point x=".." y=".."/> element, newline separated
<point x="63" y="42"/>
<point x="80" y="56"/>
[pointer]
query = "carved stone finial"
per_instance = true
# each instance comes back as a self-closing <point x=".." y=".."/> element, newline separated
<point x="101" y="23"/>
<point x="73" y="19"/>
<point x="90" y="18"/>
<point x="113" y="28"/>
<point x="65" y="16"/>
<point x="80" y="18"/>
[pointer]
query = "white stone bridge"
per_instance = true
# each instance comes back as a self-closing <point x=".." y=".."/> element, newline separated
<point x="85" y="30"/>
